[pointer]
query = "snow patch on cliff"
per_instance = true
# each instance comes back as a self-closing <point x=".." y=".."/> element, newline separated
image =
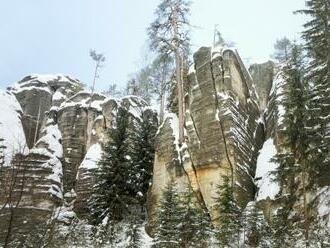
<point x="324" y="205"/>
<point x="267" y="187"/>
<point x="92" y="156"/>
<point x="11" y="129"/>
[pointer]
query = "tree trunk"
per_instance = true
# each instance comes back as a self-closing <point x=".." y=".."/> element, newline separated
<point x="178" y="76"/>
<point x="306" y="223"/>
<point x="162" y="106"/>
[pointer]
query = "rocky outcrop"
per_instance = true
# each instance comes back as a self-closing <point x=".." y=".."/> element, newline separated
<point x="37" y="94"/>
<point x="224" y="131"/>
<point x="64" y="130"/>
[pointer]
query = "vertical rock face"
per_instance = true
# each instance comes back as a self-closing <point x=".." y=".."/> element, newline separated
<point x="37" y="94"/>
<point x="223" y="130"/>
<point x="76" y="119"/>
<point x="263" y="75"/>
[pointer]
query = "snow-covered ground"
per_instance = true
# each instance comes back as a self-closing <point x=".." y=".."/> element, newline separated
<point x="265" y="167"/>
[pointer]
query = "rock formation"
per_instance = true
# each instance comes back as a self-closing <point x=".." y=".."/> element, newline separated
<point x="53" y="133"/>
<point x="224" y="131"/>
<point x="51" y="178"/>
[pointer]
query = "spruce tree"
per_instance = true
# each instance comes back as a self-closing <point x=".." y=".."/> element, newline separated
<point x="142" y="153"/>
<point x="293" y="131"/>
<point x="280" y="229"/>
<point x="133" y="232"/>
<point x="196" y="223"/>
<point x="169" y="219"/>
<point x="113" y="191"/>
<point x="228" y="230"/>
<point x="294" y="167"/>
<point x="317" y="38"/>
<point x="257" y="232"/>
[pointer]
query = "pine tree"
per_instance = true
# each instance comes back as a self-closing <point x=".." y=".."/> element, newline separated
<point x="257" y="232"/>
<point x="161" y="75"/>
<point x="282" y="49"/>
<point x="142" y="153"/>
<point x="169" y="35"/>
<point x="317" y="38"/>
<point x="228" y="231"/>
<point x="113" y="191"/>
<point x="169" y="219"/>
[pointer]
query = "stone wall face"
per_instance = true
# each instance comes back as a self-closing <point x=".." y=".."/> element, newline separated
<point x="223" y="130"/>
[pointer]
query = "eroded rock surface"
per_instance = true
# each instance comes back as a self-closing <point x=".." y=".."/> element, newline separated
<point x="64" y="131"/>
<point x="263" y="75"/>
<point x="224" y="131"/>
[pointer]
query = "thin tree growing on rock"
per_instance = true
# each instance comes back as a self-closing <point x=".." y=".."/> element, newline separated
<point x="99" y="59"/>
<point x="169" y="35"/>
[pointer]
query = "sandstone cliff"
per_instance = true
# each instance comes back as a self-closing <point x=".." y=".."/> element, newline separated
<point x="53" y="133"/>
<point x="56" y="131"/>
<point x="224" y="131"/>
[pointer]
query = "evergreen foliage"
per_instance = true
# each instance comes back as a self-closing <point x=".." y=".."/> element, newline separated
<point x="282" y="49"/>
<point x="227" y="232"/>
<point x="113" y="191"/>
<point x="196" y="223"/>
<point x="292" y="158"/>
<point x="317" y="38"/>
<point x="143" y="152"/>
<point x="171" y="18"/>
<point x="169" y="219"/>
<point x="133" y="232"/>
<point x="181" y="221"/>
<point x="257" y="232"/>
<point x="280" y="229"/>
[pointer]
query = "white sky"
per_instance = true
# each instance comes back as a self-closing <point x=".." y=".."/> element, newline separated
<point x="47" y="36"/>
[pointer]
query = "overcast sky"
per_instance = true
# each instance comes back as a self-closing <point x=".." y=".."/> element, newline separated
<point x="55" y="36"/>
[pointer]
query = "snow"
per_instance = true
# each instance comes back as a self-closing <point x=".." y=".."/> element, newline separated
<point x="92" y="156"/>
<point x="22" y="88"/>
<point x="323" y="207"/>
<point x="219" y="50"/>
<point x="267" y="187"/>
<point x="56" y="176"/>
<point x="52" y="138"/>
<point x="155" y="105"/>
<point x="174" y="123"/>
<point x="11" y="129"/>
<point x="49" y="145"/>
<point x="192" y="69"/>
<point x="277" y="88"/>
<point x="58" y="96"/>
